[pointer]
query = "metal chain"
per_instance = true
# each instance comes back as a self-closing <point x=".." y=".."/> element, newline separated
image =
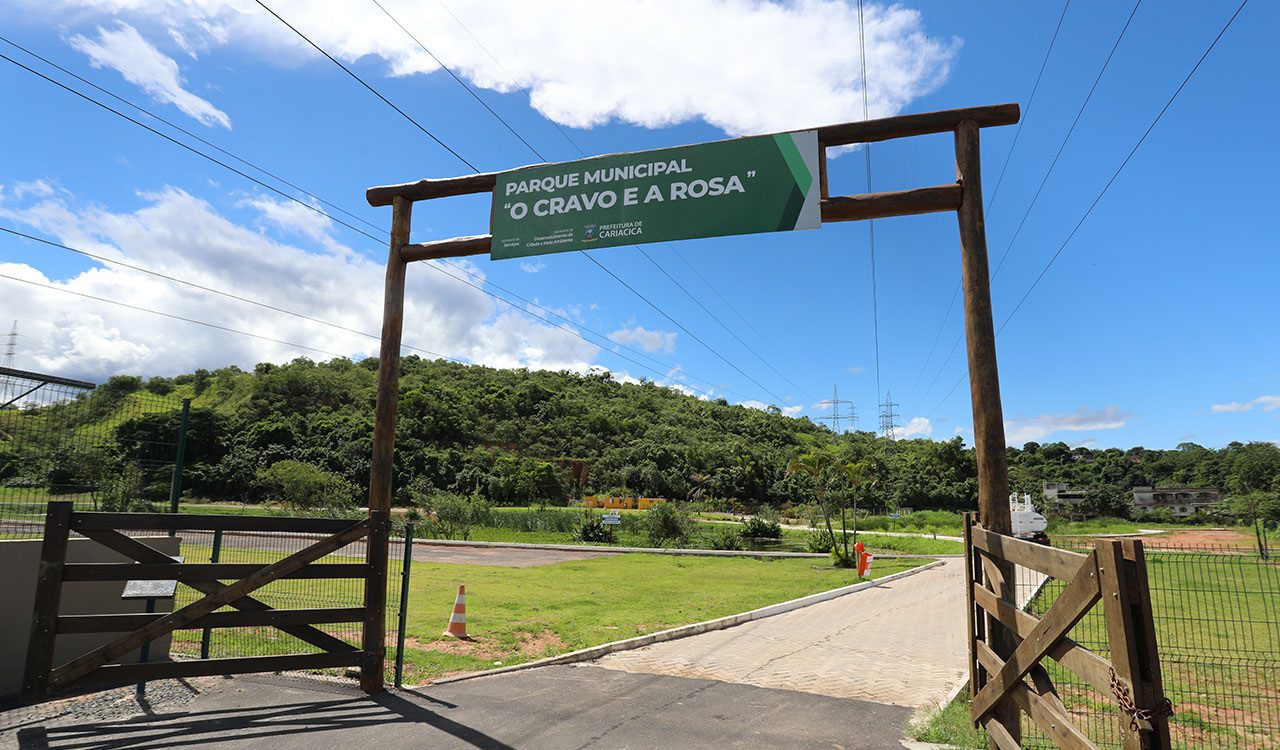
<point x="1125" y="701"/>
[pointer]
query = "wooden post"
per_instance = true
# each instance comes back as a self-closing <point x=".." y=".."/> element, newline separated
<point x="984" y="385"/>
<point x="975" y="625"/>
<point x="1126" y="602"/>
<point x="382" y="463"/>
<point x="44" y="619"/>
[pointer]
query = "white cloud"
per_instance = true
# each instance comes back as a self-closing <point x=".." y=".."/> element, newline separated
<point x="961" y="429"/>
<point x="125" y="50"/>
<point x="1029" y="429"/>
<point x="789" y="411"/>
<point x="743" y="66"/>
<point x="856" y="370"/>
<point x="528" y="267"/>
<point x="1266" y="403"/>
<point x="650" y="341"/>
<point x="917" y="427"/>
<point x="291" y="217"/>
<point x="93" y="340"/>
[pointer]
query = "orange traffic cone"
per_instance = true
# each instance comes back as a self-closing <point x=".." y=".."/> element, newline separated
<point x="458" y="620"/>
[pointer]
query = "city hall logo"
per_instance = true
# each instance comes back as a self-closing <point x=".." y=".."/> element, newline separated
<point x="589" y="233"/>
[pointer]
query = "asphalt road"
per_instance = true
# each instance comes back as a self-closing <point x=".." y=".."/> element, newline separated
<point x="552" y="707"/>
<point x="512" y="557"/>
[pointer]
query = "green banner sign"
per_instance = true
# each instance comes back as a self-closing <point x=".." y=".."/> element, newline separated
<point x="766" y="183"/>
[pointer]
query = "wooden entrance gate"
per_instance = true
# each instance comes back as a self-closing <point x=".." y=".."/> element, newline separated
<point x="95" y="668"/>
<point x="1113" y="573"/>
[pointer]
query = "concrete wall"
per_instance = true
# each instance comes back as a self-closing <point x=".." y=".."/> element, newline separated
<point x="19" y="563"/>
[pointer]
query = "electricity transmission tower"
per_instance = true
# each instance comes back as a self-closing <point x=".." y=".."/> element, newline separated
<point x="888" y="417"/>
<point x="850" y="413"/>
<point x="11" y="346"/>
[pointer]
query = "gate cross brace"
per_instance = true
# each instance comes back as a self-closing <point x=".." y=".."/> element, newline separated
<point x="141" y="552"/>
<point x="81" y="666"/>
<point x="1072" y="605"/>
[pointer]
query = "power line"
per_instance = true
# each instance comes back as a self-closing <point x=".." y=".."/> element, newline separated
<point x="1062" y="146"/>
<point x="185" y="146"/>
<point x="539" y="154"/>
<point x="1026" y="113"/>
<point x="682" y="327"/>
<point x="190" y="134"/>
<point x="1128" y="157"/>
<point x="475" y="169"/>
<point x="717" y="319"/>
<point x="460" y="82"/>
<point x="518" y="85"/>
<point x="372" y="90"/>
<point x="321" y="212"/>
<point x="1009" y="155"/>
<point x="211" y="290"/>
<point x="184" y="319"/>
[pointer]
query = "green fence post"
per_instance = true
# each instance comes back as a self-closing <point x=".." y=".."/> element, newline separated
<point x="175" y="485"/>
<point x="404" y="600"/>
<point x="213" y="558"/>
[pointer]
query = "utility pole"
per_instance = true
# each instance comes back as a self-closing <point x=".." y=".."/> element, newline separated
<point x="888" y="417"/>
<point x="835" y="402"/>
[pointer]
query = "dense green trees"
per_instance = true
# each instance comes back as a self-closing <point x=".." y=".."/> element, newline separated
<point x="519" y="437"/>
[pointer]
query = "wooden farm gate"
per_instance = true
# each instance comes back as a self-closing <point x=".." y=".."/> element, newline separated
<point x="42" y="678"/>
<point x="1113" y="573"/>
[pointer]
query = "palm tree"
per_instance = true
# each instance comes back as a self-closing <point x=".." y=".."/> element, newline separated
<point x="825" y="471"/>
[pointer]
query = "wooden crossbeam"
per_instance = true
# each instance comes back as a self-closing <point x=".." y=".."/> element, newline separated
<point x="187" y="572"/>
<point x="83" y="665"/>
<point x="123" y="623"/>
<point x="1075" y="601"/>
<point x="125" y="674"/>
<point x="840" y="134"/>
<point x="136" y="550"/>
<point x="205" y="522"/>
<point x="1058" y="563"/>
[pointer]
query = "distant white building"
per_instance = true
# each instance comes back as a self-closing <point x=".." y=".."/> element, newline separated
<point x="1060" y="494"/>
<point x="1181" y="502"/>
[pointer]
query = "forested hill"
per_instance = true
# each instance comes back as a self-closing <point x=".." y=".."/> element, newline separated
<point x="519" y="436"/>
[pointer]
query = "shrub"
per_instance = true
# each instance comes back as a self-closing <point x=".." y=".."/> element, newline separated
<point x="593" y="530"/>
<point x="666" y="524"/>
<point x="536" y="520"/>
<point x="457" y="514"/>
<point x="726" y="538"/>
<point x="761" y="527"/>
<point x="305" y="486"/>
<point x="818" y="541"/>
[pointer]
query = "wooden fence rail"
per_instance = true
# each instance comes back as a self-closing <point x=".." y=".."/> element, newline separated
<point x="96" y="668"/>
<point x="1114" y="572"/>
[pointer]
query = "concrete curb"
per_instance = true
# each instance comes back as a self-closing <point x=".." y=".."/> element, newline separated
<point x="684" y="631"/>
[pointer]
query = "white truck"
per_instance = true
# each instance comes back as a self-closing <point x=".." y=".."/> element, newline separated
<point x="1027" y="522"/>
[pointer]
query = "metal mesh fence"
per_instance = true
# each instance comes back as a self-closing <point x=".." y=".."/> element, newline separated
<point x="64" y="439"/>
<point x="1217" y="619"/>
<point x="114" y="448"/>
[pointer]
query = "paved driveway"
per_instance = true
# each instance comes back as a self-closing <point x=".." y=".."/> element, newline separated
<point x="553" y="708"/>
<point x="901" y="643"/>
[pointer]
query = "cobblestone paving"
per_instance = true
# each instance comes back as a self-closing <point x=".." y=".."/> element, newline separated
<point x="901" y="643"/>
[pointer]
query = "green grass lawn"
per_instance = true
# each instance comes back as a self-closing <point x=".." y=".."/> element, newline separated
<point x="519" y="614"/>
<point x="516" y="615"/>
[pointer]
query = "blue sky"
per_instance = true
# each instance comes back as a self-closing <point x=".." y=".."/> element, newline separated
<point x="1161" y="308"/>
